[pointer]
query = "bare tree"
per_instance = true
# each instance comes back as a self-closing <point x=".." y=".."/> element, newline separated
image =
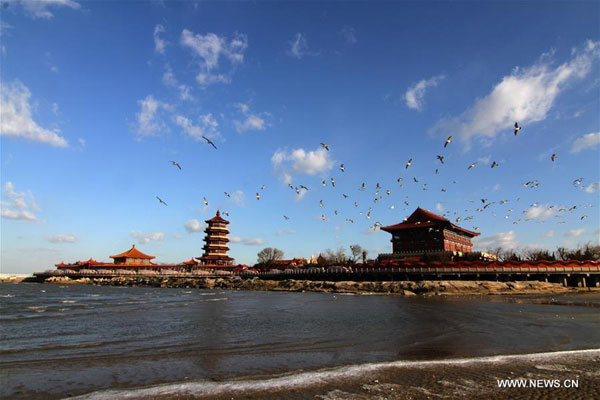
<point x="537" y="255"/>
<point x="357" y="251"/>
<point x="268" y="255"/>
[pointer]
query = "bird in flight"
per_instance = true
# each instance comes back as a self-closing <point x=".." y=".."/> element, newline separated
<point x="472" y="165"/>
<point x="303" y="187"/>
<point x="161" y="200"/>
<point x="325" y="146"/>
<point x="227" y="194"/>
<point x="345" y="195"/>
<point x="175" y="163"/>
<point x="517" y="128"/>
<point x="257" y="196"/>
<point x="332" y="182"/>
<point x="209" y="142"/>
<point x="297" y="190"/>
<point x="205" y="201"/>
<point x="363" y="186"/>
<point x="350" y="220"/>
<point x="226" y="213"/>
<point x="494" y="164"/>
<point x="436" y="171"/>
<point x="321" y="204"/>
<point x="553" y="158"/>
<point x="324" y="183"/>
<point x="409" y="163"/>
<point x="286" y="217"/>
<point x="342" y="168"/>
<point x="262" y="187"/>
<point x="441" y="158"/>
<point x="448" y="141"/>
<point x="291" y="186"/>
<point x="416" y="180"/>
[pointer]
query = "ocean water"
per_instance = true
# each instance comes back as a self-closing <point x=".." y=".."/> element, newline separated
<point x="138" y="342"/>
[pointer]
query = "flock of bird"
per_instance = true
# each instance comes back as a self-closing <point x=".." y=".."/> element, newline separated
<point x="379" y="193"/>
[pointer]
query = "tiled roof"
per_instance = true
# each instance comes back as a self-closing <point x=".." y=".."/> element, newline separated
<point x="133" y="253"/>
<point x="422" y="218"/>
<point x="217" y="218"/>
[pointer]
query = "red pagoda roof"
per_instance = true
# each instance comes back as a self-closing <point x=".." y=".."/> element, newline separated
<point x="217" y="218"/>
<point x="215" y="257"/>
<point x="190" y="262"/>
<point x="133" y="253"/>
<point x="421" y="218"/>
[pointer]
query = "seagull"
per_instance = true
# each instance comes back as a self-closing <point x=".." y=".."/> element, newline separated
<point x="332" y="182"/>
<point x="325" y="146"/>
<point x="297" y="190"/>
<point x="363" y="187"/>
<point x="416" y="180"/>
<point x="262" y="187"/>
<point x="291" y="186"/>
<point x="441" y="158"/>
<point x="436" y="171"/>
<point x="350" y="220"/>
<point x="345" y="195"/>
<point x="369" y="215"/>
<point x="577" y="181"/>
<point x="342" y="168"/>
<point x="392" y="207"/>
<point x="324" y="183"/>
<point x="494" y="164"/>
<point x="205" y="201"/>
<point x="583" y="217"/>
<point x="227" y="194"/>
<point x="209" y="142"/>
<point x="388" y="192"/>
<point x="443" y="190"/>
<point x="517" y="128"/>
<point x="161" y="200"/>
<point x="257" y="196"/>
<point x="335" y="212"/>
<point x="226" y="213"/>
<point x="406" y="202"/>
<point x="448" y="141"/>
<point x="323" y="218"/>
<point x="321" y="204"/>
<point x="175" y="163"/>
<point x="472" y="165"/>
<point x="286" y="217"/>
<point x="377" y="187"/>
<point x="355" y="204"/>
<point x="303" y="187"/>
<point x="553" y="158"/>
<point x="399" y="180"/>
<point x="409" y="163"/>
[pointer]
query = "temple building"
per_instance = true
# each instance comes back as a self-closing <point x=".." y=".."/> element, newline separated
<point x="132" y="257"/>
<point x="215" y="243"/>
<point x="425" y="233"/>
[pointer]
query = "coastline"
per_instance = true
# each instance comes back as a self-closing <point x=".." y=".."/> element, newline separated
<point x="399" y="288"/>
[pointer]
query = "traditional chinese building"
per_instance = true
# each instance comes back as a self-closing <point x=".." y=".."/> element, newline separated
<point x="427" y="233"/>
<point x="215" y="243"/>
<point x="132" y="257"/>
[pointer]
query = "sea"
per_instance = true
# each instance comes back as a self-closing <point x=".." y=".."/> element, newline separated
<point x="103" y="342"/>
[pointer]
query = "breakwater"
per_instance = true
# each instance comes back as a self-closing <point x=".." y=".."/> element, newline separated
<point x="403" y="288"/>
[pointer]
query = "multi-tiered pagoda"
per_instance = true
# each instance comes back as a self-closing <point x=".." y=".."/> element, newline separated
<point x="215" y="243"/>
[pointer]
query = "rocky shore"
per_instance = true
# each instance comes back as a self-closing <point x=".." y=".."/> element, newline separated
<point x="402" y="288"/>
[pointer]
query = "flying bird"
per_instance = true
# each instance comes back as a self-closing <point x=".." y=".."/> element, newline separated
<point x="436" y="171"/>
<point x="517" y="128"/>
<point x="399" y="180"/>
<point x="257" y="196"/>
<point x="363" y="187"/>
<point x="291" y="186"/>
<point x="262" y="187"/>
<point x="553" y="158"/>
<point x="345" y="195"/>
<point x="448" y="141"/>
<point x="321" y="204"/>
<point x="297" y="190"/>
<point x="227" y="194"/>
<point x="409" y="163"/>
<point x="205" y="201"/>
<point x="472" y="165"/>
<point x="325" y="146"/>
<point x="388" y="192"/>
<point x="303" y="187"/>
<point x="332" y="182"/>
<point x="494" y="164"/>
<point x="350" y="220"/>
<point x="161" y="200"/>
<point x="286" y="217"/>
<point x="324" y="183"/>
<point x="342" y="168"/>
<point x="175" y="163"/>
<point x="416" y="180"/>
<point x="441" y="158"/>
<point x="335" y="212"/>
<point x="226" y="213"/>
<point x="209" y="142"/>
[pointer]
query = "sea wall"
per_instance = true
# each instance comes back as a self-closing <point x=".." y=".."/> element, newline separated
<point x="404" y="288"/>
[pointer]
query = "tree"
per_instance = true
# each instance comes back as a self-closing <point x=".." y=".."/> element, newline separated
<point x="268" y="255"/>
<point x="357" y="251"/>
<point x="538" y="255"/>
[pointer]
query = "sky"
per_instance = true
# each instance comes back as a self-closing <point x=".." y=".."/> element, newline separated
<point x="97" y="99"/>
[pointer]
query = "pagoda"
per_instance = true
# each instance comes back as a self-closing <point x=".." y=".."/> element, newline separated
<point x="132" y="257"/>
<point x="215" y="247"/>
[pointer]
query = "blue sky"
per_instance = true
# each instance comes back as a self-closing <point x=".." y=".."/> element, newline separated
<point x="98" y="97"/>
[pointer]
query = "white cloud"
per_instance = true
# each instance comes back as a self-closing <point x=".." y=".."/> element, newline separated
<point x="496" y="187"/>
<point x="299" y="47"/>
<point x="299" y="161"/>
<point x="592" y="187"/>
<point x="61" y="238"/>
<point x="210" y="48"/>
<point x="526" y="96"/>
<point x="159" y="43"/>
<point x="144" y="238"/>
<point x="540" y="213"/>
<point x="207" y="127"/>
<point x="248" y="241"/>
<point x="54" y="69"/>
<point x="349" y="34"/>
<point x="485" y="159"/>
<point x="148" y="121"/>
<point x="193" y="225"/>
<point x="415" y="95"/>
<point x="251" y="121"/>
<point x="285" y="232"/>
<point x="16" y="119"/>
<point x="20" y="204"/>
<point x="439" y="207"/>
<point x="574" y="233"/>
<point x="589" y="141"/>
<point x="81" y="142"/>
<point x="39" y="8"/>
<point x="170" y="81"/>
<point x="549" y="234"/>
<point x="237" y="197"/>
<point x="506" y="240"/>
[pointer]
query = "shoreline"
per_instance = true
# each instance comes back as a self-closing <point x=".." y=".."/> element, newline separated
<point x="398" y="288"/>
